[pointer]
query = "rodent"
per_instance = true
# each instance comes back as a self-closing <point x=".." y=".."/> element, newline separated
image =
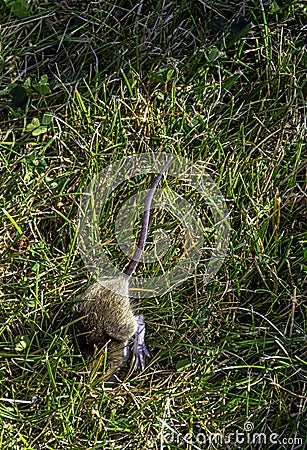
<point x="106" y="317"/>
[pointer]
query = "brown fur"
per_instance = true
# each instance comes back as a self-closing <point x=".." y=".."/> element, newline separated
<point x="106" y="319"/>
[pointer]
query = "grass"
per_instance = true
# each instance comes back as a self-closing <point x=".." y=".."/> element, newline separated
<point x="86" y="84"/>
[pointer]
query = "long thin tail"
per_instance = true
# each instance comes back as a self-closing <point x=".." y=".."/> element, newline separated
<point x="145" y="221"/>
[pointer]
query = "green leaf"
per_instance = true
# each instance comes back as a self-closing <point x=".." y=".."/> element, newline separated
<point x="160" y="95"/>
<point x="169" y="74"/>
<point x="214" y="53"/>
<point x="35" y="267"/>
<point x="36" y="127"/>
<point x="19" y="7"/>
<point x="44" y="79"/>
<point x="27" y="83"/>
<point x="203" y="314"/>
<point x="42" y="89"/>
<point x="35" y="123"/>
<point x="21" y="343"/>
<point x="42" y="86"/>
<point x="39" y="130"/>
<point x="47" y="119"/>
<point x="18" y="96"/>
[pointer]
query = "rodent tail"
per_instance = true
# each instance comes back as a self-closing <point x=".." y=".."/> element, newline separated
<point x="145" y="221"/>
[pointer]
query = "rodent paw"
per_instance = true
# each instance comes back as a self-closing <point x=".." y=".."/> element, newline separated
<point x="139" y="348"/>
